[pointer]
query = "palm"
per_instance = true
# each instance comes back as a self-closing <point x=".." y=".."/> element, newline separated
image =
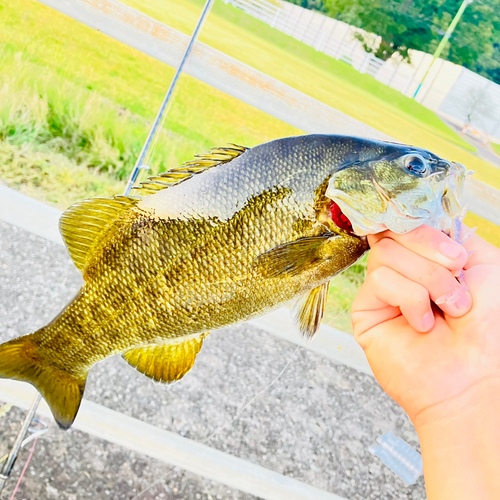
<point x="423" y="370"/>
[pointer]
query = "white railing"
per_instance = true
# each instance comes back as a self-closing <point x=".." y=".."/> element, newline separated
<point x="261" y="9"/>
<point x="443" y="90"/>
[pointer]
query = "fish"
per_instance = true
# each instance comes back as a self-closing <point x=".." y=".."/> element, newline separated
<point x="226" y="237"/>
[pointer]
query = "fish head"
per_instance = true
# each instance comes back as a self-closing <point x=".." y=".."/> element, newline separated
<point x="400" y="188"/>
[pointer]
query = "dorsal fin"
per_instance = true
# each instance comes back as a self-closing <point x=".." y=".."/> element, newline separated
<point x="203" y="162"/>
<point x="84" y="224"/>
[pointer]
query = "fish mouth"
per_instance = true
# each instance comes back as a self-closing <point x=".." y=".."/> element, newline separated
<point x="339" y="218"/>
<point x="435" y="201"/>
<point x="355" y="222"/>
<point x="453" y="190"/>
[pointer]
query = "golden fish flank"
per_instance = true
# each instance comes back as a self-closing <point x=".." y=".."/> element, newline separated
<point x="228" y="236"/>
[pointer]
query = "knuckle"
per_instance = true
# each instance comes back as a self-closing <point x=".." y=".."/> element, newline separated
<point x="358" y="331"/>
<point x="384" y="244"/>
<point x="420" y="294"/>
<point x="419" y="234"/>
<point x="435" y="271"/>
<point x="379" y="275"/>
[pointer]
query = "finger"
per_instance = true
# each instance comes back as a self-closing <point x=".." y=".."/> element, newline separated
<point x="387" y="290"/>
<point x="438" y="280"/>
<point x="480" y="252"/>
<point x="430" y="243"/>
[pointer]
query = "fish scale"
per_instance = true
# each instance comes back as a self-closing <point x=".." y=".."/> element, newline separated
<point x="226" y="237"/>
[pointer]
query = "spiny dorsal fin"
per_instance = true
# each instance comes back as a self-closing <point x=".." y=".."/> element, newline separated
<point x="309" y="309"/>
<point x="203" y="162"/>
<point x="84" y="224"/>
<point x="165" y="362"/>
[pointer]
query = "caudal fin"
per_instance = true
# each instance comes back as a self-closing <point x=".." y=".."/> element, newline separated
<point x="21" y="360"/>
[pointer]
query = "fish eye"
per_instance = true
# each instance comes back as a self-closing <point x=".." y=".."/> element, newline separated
<point x="416" y="164"/>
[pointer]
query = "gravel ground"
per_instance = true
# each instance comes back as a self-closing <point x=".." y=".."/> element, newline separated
<point x="314" y="423"/>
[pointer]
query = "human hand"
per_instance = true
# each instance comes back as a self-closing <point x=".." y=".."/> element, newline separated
<point x="434" y="361"/>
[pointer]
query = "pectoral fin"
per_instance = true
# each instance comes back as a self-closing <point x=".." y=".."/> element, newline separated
<point x="309" y="309"/>
<point x="165" y="362"/>
<point x="292" y="258"/>
<point x="300" y="255"/>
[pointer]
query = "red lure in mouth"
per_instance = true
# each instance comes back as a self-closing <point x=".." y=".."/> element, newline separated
<point x="339" y="218"/>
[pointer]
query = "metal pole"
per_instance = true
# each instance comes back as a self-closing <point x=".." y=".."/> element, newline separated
<point x="444" y="41"/>
<point x="154" y="129"/>
<point x="17" y="443"/>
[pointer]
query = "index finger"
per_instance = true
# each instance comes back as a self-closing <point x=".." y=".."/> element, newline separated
<point x="430" y="243"/>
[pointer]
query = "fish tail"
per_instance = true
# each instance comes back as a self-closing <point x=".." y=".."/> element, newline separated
<point x="20" y="359"/>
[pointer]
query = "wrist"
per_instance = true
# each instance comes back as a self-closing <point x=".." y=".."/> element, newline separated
<point x="477" y="402"/>
<point x="460" y="444"/>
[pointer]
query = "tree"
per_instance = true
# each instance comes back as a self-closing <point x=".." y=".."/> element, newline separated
<point x="310" y="4"/>
<point x="420" y="25"/>
<point x="401" y="24"/>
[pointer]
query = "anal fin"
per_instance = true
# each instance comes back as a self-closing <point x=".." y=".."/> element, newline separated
<point x="309" y="309"/>
<point x="165" y="362"/>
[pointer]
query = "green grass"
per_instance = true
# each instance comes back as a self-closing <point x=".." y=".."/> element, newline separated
<point x="341" y="293"/>
<point x="496" y="148"/>
<point x="486" y="229"/>
<point x="137" y="83"/>
<point x="65" y="88"/>
<point x="285" y="58"/>
<point x="75" y="107"/>
<point x="40" y="174"/>
<point x="326" y="79"/>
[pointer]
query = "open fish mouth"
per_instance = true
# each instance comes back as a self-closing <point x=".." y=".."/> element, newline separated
<point x="453" y="190"/>
<point x="354" y="221"/>
<point x="434" y="200"/>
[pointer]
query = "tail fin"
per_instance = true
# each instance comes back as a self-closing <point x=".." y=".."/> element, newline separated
<point x="20" y="360"/>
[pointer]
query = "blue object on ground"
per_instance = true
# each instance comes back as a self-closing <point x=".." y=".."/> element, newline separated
<point x="399" y="456"/>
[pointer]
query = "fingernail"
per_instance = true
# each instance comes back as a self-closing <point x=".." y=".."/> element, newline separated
<point x="428" y="321"/>
<point x="464" y="302"/>
<point x="450" y="250"/>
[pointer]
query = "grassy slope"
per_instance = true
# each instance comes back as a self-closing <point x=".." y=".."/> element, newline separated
<point x="486" y="229"/>
<point x="66" y="62"/>
<point x="320" y="76"/>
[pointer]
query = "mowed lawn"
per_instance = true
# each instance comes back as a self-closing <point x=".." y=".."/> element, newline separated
<point x="333" y="82"/>
<point x="75" y="106"/>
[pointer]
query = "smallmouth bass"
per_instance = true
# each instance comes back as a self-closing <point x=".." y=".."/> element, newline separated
<point x="226" y="237"/>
